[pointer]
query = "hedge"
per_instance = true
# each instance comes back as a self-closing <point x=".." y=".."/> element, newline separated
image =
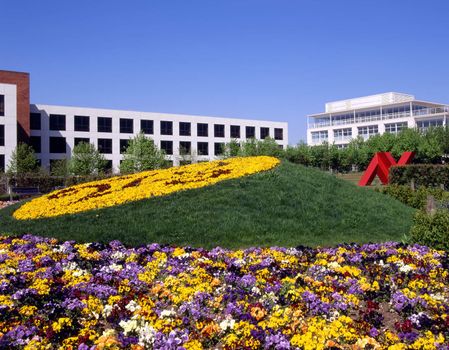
<point x="420" y="175"/>
<point x="431" y="229"/>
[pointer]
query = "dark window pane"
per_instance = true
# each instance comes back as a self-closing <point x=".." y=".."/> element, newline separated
<point x="2" y="105"/>
<point x="108" y="166"/>
<point x="57" y="122"/>
<point x="167" y="146"/>
<point x="82" y="123"/>
<point x="57" y="145"/>
<point x="250" y="132"/>
<point x="2" y="163"/>
<point x="2" y="135"/>
<point x="203" y="148"/>
<point x="219" y="130"/>
<point x="235" y="131"/>
<point x="105" y="146"/>
<point x="202" y="129"/>
<point x="35" y="142"/>
<point x="219" y="148"/>
<point x="126" y="126"/>
<point x="278" y="134"/>
<point x="35" y="121"/>
<point x="78" y="140"/>
<point x="185" y="147"/>
<point x="264" y="133"/>
<point x="104" y="124"/>
<point x="146" y="126"/>
<point x="124" y="145"/>
<point x="166" y="128"/>
<point x="184" y="129"/>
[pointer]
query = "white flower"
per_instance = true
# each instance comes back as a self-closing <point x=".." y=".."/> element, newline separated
<point x="167" y="313"/>
<point x="132" y="306"/>
<point x="107" y="310"/>
<point x="406" y="268"/>
<point x="227" y="323"/>
<point x="128" y="326"/>
<point x="255" y="290"/>
<point x="146" y="335"/>
<point x="239" y="262"/>
<point x="79" y="272"/>
<point x="69" y="266"/>
<point x="118" y="255"/>
<point x="334" y="265"/>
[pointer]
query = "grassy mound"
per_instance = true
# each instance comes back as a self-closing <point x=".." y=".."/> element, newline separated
<point x="288" y="206"/>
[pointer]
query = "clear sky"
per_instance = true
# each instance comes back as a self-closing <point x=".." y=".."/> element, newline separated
<point x="261" y="59"/>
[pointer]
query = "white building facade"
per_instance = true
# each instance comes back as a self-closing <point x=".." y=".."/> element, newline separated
<point x="53" y="131"/>
<point x="366" y="116"/>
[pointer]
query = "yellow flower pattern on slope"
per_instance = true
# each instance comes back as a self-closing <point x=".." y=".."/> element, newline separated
<point x="123" y="189"/>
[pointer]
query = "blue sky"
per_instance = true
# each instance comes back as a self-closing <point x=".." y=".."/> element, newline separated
<point x="273" y="60"/>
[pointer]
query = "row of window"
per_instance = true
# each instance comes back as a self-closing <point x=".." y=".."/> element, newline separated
<point x="365" y="131"/>
<point x="2" y="105"/>
<point x="104" y="124"/>
<point x="2" y="135"/>
<point x="59" y="145"/>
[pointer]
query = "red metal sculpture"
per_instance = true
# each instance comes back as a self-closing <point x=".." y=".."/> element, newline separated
<point x="380" y="166"/>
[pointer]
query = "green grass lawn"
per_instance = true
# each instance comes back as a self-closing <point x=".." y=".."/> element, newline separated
<point x="288" y="206"/>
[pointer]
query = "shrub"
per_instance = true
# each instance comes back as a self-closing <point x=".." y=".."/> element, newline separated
<point x="431" y="229"/>
<point x="23" y="160"/>
<point x="86" y="160"/>
<point x="421" y="175"/>
<point x="414" y="198"/>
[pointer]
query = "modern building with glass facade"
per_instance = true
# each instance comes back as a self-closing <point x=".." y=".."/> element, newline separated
<point x="371" y="115"/>
<point x="53" y="131"/>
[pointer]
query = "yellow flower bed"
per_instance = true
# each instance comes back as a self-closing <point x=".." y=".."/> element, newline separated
<point x="122" y="189"/>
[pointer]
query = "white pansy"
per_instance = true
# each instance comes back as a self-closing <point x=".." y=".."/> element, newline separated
<point x="239" y="262"/>
<point x="107" y="310"/>
<point x="334" y="265"/>
<point x="167" y="313"/>
<point x="128" y="326"/>
<point x="132" y="306"/>
<point x="227" y="323"/>
<point x="118" y="256"/>
<point x="146" y="335"/>
<point x="70" y="266"/>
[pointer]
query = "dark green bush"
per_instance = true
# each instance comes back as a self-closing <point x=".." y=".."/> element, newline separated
<point x="431" y="229"/>
<point x="414" y="198"/>
<point x="421" y="175"/>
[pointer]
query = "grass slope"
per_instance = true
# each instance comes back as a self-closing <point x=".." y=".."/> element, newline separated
<point x="288" y="206"/>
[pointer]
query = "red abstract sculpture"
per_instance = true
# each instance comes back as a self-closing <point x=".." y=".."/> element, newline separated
<point x="380" y="166"/>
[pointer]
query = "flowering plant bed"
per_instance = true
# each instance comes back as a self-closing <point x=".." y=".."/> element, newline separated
<point x="73" y="296"/>
<point x="122" y="189"/>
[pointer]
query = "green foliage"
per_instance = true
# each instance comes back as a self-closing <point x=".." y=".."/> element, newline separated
<point x="426" y="175"/>
<point x="60" y="168"/>
<point x="414" y="198"/>
<point x="287" y="206"/>
<point x="266" y="147"/>
<point x="23" y="161"/>
<point x="231" y="149"/>
<point x="86" y="160"/>
<point x="142" y="154"/>
<point x="431" y="229"/>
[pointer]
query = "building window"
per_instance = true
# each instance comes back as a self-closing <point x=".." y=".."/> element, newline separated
<point x="320" y="136"/>
<point x="2" y="105"/>
<point x="166" y="128"/>
<point x="167" y="146"/>
<point x="146" y="126"/>
<point x="202" y="129"/>
<point x="124" y="145"/>
<point x="395" y="128"/>
<point x="203" y="148"/>
<point x="219" y="148"/>
<point x="368" y="131"/>
<point x="184" y="129"/>
<point x="250" y="132"/>
<point x="35" y="142"/>
<point x="219" y="130"/>
<point x="57" y="122"/>
<point x="104" y="124"/>
<point x="278" y="134"/>
<point x="105" y="146"/>
<point x="342" y="134"/>
<point x="264" y="133"/>
<point x="2" y="163"/>
<point x="35" y="121"/>
<point x="423" y="125"/>
<point x="108" y="166"/>
<point x="57" y="145"/>
<point x="82" y="123"/>
<point x="185" y="148"/>
<point x="126" y="126"/>
<point x="78" y="140"/>
<point x="2" y="135"/>
<point x="235" y="131"/>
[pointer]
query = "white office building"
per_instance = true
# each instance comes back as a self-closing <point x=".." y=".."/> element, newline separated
<point x="53" y="131"/>
<point x="371" y="115"/>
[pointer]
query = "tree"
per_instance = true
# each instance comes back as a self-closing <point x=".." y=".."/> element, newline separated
<point x="23" y="160"/>
<point x="86" y="160"/>
<point x="142" y="154"/>
<point x="60" y="168"/>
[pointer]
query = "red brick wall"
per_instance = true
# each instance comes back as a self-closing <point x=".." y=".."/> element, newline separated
<point x="22" y="81"/>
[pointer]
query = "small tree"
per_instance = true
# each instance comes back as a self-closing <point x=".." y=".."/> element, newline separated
<point x="23" y="160"/>
<point x="142" y="154"/>
<point x="60" y="168"/>
<point x="86" y="160"/>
